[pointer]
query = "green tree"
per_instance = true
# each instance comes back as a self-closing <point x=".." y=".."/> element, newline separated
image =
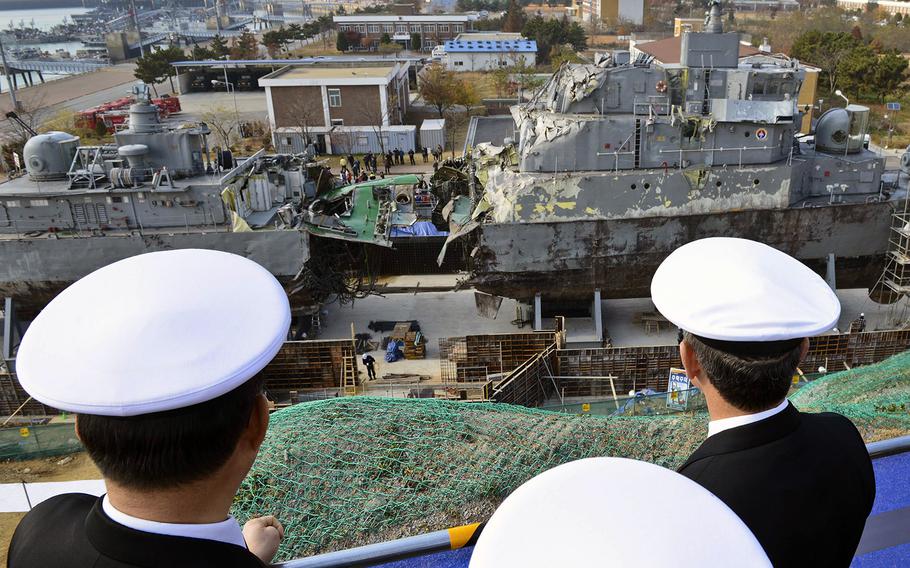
<point x="416" y="42"/>
<point x="888" y="74"/>
<point x="341" y="41"/>
<point x="246" y="46"/>
<point x="155" y="66"/>
<point x="201" y="53"/>
<point x="515" y="18"/>
<point x="219" y="47"/>
<point x="825" y="50"/>
<point x="385" y="38"/>
<point x="855" y="70"/>
<point x="439" y="88"/>
<point x="276" y="41"/>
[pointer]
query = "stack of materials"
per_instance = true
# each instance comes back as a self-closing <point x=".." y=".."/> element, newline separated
<point x="415" y="345"/>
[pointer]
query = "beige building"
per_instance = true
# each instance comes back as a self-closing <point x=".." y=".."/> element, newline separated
<point x="361" y="100"/>
<point x="612" y="11"/>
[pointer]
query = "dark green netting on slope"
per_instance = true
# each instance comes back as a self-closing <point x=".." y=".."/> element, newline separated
<point x="351" y="471"/>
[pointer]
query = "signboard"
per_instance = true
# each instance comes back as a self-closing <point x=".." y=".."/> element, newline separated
<point x="24" y="432"/>
<point x="893" y="106"/>
<point x="585" y="407"/>
<point x="761" y="133"/>
<point x="678" y="389"/>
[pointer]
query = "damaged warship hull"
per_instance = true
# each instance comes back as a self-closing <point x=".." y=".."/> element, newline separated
<point x="565" y="261"/>
<point x="35" y="270"/>
<point x="611" y="166"/>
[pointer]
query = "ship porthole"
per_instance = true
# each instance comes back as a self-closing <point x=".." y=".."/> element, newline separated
<point x="647" y="186"/>
<point x="756" y="181"/>
<point x="634" y="186"/>
<point x="718" y="183"/>
<point x="747" y="133"/>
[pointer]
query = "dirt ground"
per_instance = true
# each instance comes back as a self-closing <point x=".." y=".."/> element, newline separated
<point x="57" y="468"/>
<point x="77" y="466"/>
<point x="8" y="523"/>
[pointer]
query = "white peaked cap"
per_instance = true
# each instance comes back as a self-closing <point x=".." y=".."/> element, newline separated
<point x="740" y="290"/>
<point x="603" y="512"/>
<point x="154" y="332"/>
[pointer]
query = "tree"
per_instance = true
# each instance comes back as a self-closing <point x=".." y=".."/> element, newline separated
<point x="219" y="47"/>
<point x="888" y="74"/>
<point x="276" y="41"/>
<point x="155" y="66"/>
<point x="201" y="53"/>
<point x="341" y="41"/>
<point x="385" y="38"/>
<point x="466" y="96"/>
<point x="305" y="113"/>
<point x="439" y="88"/>
<point x="223" y="123"/>
<point x="515" y="18"/>
<point x="550" y="32"/>
<point x="825" y="50"/>
<point x="416" y="42"/>
<point x="246" y="46"/>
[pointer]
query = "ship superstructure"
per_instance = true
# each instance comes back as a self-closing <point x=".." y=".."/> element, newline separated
<point x="81" y="207"/>
<point x="610" y="167"/>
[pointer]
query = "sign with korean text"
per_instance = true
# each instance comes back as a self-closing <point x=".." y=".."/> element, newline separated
<point x="678" y="389"/>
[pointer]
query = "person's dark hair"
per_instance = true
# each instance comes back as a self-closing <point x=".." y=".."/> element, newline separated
<point x="175" y="447"/>
<point x="751" y="377"/>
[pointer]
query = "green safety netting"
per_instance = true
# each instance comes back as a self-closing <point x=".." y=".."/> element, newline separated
<point x="38" y="441"/>
<point x="351" y="471"/>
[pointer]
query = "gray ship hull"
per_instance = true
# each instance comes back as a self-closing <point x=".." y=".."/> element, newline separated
<point x="34" y="270"/>
<point x="566" y="260"/>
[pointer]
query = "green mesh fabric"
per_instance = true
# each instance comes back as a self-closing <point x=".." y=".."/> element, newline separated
<point x="351" y="471"/>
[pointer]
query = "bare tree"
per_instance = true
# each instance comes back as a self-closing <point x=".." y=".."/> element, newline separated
<point x="374" y="116"/>
<point x="342" y="142"/>
<point x="305" y="113"/>
<point x="223" y="123"/>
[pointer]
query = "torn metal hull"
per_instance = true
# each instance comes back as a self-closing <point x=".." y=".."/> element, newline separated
<point x="34" y="270"/>
<point x="566" y="260"/>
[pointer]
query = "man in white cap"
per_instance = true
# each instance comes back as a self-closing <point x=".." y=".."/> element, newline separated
<point x="803" y="483"/>
<point x="159" y="357"/>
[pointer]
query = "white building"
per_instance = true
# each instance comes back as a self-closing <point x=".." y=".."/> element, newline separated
<point x="488" y="51"/>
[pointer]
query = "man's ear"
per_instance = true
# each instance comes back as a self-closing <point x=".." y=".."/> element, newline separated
<point x="804" y="349"/>
<point x="690" y="363"/>
<point x="259" y="421"/>
<point x="76" y="428"/>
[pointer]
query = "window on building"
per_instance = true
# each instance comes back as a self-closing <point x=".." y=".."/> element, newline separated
<point x="362" y="141"/>
<point x="12" y="203"/>
<point x="38" y="203"/>
<point x="337" y="122"/>
<point x="429" y="29"/>
<point x="443" y="28"/>
<point x="344" y="27"/>
<point x="401" y="28"/>
<point x="457" y="28"/>
<point x="287" y="140"/>
<point x="415" y="28"/>
<point x="388" y="28"/>
<point x="373" y="28"/>
<point x="361" y="28"/>
<point x="459" y="64"/>
<point x="334" y="97"/>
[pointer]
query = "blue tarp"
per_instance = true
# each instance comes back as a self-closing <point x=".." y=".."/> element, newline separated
<point x="418" y="229"/>
<point x="393" y="352"/>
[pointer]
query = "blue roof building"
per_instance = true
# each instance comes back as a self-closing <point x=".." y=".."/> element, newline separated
<point x="487" y="51"/>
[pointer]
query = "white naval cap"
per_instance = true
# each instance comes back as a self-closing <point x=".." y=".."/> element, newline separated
<point x="154" y="332"/>
<point x="730" y="289"/>
<point x="588" y="513"/>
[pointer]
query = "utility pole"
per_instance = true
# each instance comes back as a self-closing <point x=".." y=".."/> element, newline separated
<point x="138" y="29"/>
<point x="9" y="84"/>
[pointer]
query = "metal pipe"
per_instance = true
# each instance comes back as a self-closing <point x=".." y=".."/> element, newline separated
<point x="381" y="552"/>
<point x="889" y="447"/>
